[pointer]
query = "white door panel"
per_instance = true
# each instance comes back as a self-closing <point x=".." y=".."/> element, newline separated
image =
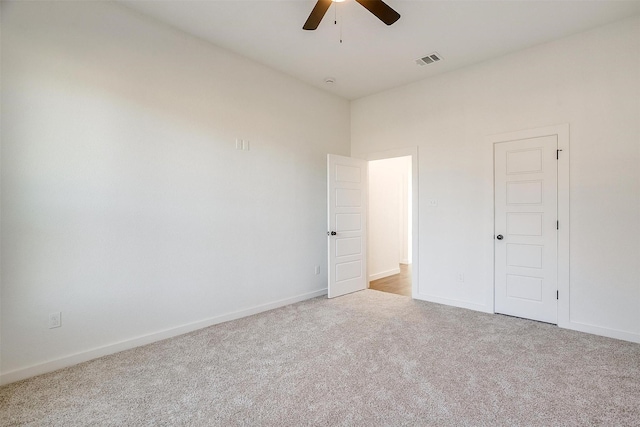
<point x="524" y="224"/>
<point x="526" y="254"/>
<point x="347" y="186"/>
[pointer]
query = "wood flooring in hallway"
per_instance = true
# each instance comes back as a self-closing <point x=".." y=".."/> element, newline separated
<point x="397" y="284"/>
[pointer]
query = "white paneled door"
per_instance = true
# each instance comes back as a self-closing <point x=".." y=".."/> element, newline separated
<point x="347" y="201"/>
<point x="526" y="237"/>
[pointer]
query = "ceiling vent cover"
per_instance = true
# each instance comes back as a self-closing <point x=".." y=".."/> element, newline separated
<point x="429" y="59"/>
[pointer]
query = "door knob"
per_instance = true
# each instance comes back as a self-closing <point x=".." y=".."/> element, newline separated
<point x="332" y="233"/>
<point x="499" y="237"/>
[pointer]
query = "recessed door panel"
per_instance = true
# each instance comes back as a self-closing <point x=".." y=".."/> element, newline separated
<point x="523" y="287"/>
<point x="525" y="256"/>
<point x="524" y="193"/>
<point x="348" y="270"/>
<point x="350" y="246"/>
<point x="524" y="223"/>
<point x="348" y="198"/>
<point x="347" y="173"/>
<point x="524" y="161"/>
<point x="348" y="222"/>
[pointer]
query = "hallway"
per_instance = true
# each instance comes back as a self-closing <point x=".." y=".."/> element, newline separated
<point x="397" y="284"/>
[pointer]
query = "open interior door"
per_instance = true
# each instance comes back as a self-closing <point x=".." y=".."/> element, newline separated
<point x="347" y="220"/>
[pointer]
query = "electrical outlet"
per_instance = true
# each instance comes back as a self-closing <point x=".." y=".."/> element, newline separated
<point x="238" y="144"/>
<point x="317" y="269"/>
<point x="460" y="277"/>
<point x="432" y="203"/>
<point x="246" y="145"/>
<point x="55" y="320"/>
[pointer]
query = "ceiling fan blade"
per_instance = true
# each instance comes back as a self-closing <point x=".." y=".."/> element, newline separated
<point x="382" y="10"/>
<point x="317" y="14"/>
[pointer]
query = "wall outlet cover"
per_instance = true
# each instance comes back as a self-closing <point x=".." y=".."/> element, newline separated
<point x="55" y="320"/>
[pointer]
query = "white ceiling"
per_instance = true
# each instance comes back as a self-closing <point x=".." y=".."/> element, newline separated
<point x="374" y="57"/>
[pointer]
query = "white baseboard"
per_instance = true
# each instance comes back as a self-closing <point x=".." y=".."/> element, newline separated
<point x="599" y="330"/>
<point x="87" y="355"/>
<point x="405" y="261"/>
<point x="384" y="274"/>
<point x="574" y="326"/>
<point x="453" y="302"/>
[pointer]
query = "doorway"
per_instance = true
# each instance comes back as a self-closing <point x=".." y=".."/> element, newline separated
<point x="348" y="228"/>
<point x="390" y="225"/>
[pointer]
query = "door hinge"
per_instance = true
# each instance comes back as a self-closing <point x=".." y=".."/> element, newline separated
<point x="557" y="225"/>
<point x="558" y="153"/>
<point x="557" y="294"/>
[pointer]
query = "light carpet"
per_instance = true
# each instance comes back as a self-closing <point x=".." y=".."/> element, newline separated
<point x="365" y="359"/>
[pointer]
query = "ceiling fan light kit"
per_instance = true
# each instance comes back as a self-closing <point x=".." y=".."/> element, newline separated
<point x="379" y="8"/>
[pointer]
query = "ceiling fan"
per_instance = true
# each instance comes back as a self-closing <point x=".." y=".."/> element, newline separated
<point x="379" y="8"/>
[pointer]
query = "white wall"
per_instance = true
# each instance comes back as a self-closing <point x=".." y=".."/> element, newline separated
<point x="389" y="224"/>
<point x="124" y="202"/>
<point x="592" y="82"/>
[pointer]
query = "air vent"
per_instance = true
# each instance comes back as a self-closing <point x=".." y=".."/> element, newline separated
<point x="429" y="59"/>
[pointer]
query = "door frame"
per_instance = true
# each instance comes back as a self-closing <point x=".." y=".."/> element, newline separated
<point x="562" y="133"/>
<point x="390" y="154"/>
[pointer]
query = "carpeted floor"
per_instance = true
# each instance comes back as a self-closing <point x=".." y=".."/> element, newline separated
<point x="365" y="359"/>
